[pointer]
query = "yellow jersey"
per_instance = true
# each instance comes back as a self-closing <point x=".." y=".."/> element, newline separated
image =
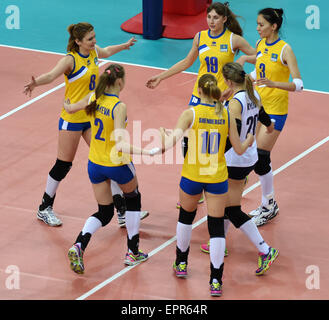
<point x="214" y="53"/>
<point x="81" y="81"/>
<point x="205" y="161"/>
<point x="102" y="149"/>
<point x="269" y="64"/>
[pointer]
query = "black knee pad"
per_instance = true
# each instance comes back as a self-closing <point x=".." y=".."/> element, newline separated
<point x="236" y="216"/>
<point x="216" y="227"/>
<point x="104" y="214"/>
<point x="184" y="146"/>
<point x="133" y="201"/>
<point x="186" y="217"/>
<point x="60" y="170"/>
<point x="263" y="165"/>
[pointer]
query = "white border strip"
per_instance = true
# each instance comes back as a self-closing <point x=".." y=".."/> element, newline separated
<point x="199" y="222"/>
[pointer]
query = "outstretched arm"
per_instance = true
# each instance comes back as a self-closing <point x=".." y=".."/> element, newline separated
<point x="63" y="66"/>
<point x="111" y="50"/>
<point x="180" y="66"/>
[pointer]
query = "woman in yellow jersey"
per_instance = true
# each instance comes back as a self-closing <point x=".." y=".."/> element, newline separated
<point x="275" y="62"/>
<point x="215" y="47"/>
<point x="109" y="160"/>
<point x="80" y="69"/>
<point x="204" y="170"/>
<point x="245" y="107"/>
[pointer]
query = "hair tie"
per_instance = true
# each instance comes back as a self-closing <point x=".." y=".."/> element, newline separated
<point x="108" y="71"/>
<point x="243" y="73"/>
<point x="276" y="13"/>
<point x="116" y="69"/>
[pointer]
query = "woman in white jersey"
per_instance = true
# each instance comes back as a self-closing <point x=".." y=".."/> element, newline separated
<point x="245" y="108"/>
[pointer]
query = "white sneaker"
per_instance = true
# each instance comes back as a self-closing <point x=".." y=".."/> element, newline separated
<point x="122" y="218"/>
<point x="48" y="216"/>
<point x="265" y="214"/>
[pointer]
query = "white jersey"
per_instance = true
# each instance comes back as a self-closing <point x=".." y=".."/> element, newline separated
<point x="249" y="119"/>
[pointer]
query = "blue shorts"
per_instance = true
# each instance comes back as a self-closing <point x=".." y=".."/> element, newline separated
<point x="194" y="101"/>
<point x="122" y="174"/>
<point x="70" y="126"/>
<point x="193" y="187"/>
<point x="280" y="120"/>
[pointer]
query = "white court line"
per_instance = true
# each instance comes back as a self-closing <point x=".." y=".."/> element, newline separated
<point x="199" y="222"/>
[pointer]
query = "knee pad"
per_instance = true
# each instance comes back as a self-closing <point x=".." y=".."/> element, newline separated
<point x="104" y="214"/>
<point x="216" y="227"/>
<point x="60" y="170"/>
<point x="263" y="165"/>
<point x="133" y="200"/>
<point x="184" y="146"/>
<point x="186" y="217"/>
<point x="236" y="216"/>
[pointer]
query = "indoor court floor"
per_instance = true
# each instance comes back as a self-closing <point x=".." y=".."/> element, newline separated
<point x="36" y="254"/>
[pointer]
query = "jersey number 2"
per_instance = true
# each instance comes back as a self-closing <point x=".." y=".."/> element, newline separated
<point x="98" y="122"/>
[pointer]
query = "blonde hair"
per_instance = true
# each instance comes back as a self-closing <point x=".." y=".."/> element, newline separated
<point x="77" y="32"/>
<point x="233" y="71"/>
<point x="208" y="84"/>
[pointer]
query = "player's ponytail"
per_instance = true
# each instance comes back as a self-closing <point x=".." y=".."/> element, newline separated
<point x="77" y="32"/>
<point x="106" y="80"/>
<point x="231" y="23"/>
<point x="208" y="84"/>
<point x="273" y="16"/>
<point x="233" y="71"/>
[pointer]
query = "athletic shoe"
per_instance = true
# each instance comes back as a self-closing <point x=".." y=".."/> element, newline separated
<point x="201" y="200"/>
<point x="48" y="216"/>
<point x="266" y="260"/>
<point x="132" y="259"/>
<point x="75" y="255"/>
<point x="180" y="270"/>
<point x="215" y="289"/>
<point x="206" y="249"/>
<point x="264" y="214"/>
<point x="122" y="218"/>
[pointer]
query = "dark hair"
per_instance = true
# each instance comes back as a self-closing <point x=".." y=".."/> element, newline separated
<point x="231" y="23"/>
<point x="107" y="79"/>
<point x="208" y="84"/>
<point x="272" y="16"/>
<point x="233" y="71"/>
<point x="77" y="32"/>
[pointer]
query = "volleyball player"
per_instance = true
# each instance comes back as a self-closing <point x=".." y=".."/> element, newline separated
<point x="109" y="160"/>
<point x="275" y="62"/>
<point x="245" y="107"/>
<point x="80" y="68"/>
<point x="204" y="170"/>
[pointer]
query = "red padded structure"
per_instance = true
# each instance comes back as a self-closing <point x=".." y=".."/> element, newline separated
<point x="181" y="19"/>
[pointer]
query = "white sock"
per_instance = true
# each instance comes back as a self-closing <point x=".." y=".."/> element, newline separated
<point x="92" y="225"/>
<point x="251" y="231"/>
<point x="183" y="234"/>
<point x="51" y="186"/>
<point x="217" y="248"/>
<point x="132" y="223"/>
<point x="266" y="182"/>
<point x="115" y="188"/>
